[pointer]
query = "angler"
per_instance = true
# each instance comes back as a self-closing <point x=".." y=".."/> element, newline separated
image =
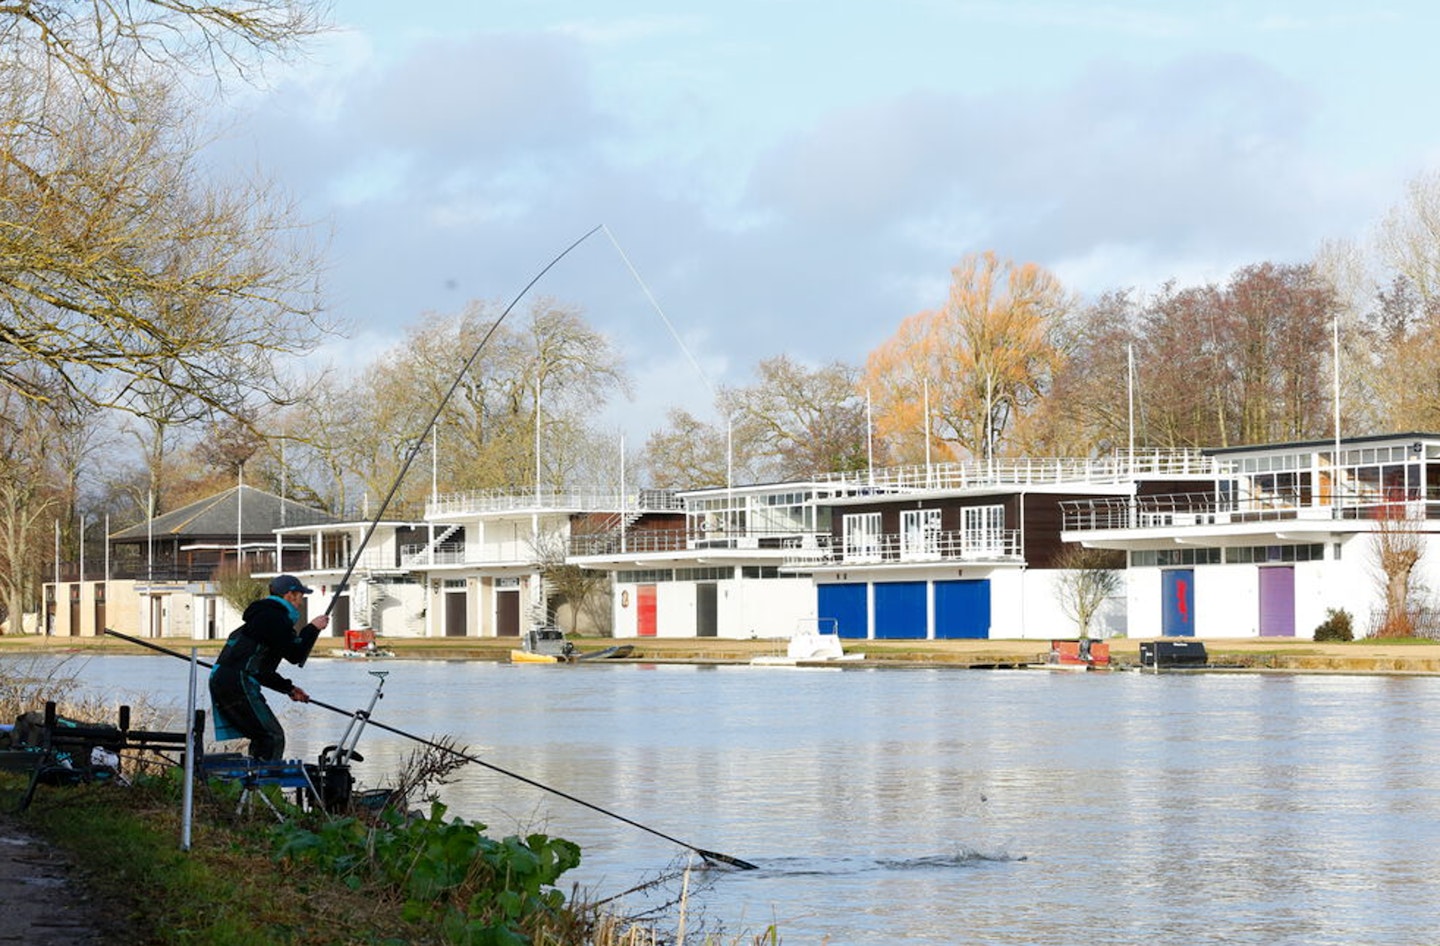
<point x="250" y="661"/>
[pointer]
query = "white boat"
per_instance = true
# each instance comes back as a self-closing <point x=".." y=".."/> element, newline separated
<point x="807" y="646"/>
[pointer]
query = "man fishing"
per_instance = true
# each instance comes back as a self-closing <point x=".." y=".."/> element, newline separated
<point x="249" y="661"/>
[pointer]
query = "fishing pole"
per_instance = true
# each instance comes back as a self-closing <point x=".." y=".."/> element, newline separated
<point x="419" y="441"/>
<point x="709" y="856"/>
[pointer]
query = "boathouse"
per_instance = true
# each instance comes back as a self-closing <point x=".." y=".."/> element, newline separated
<point x="1285" y="533"/>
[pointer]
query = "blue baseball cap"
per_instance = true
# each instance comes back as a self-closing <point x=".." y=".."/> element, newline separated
<point x="284" y="584"/>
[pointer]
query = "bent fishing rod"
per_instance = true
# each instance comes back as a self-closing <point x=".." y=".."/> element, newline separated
<point x="417" y="442"/>
<point x="709" y="856"/>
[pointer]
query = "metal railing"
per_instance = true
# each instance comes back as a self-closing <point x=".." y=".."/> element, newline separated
<point x="993" y="545"/>
<point x="446" y="553"/>
<point x="1174" y="510"/>
<point x="616" y="542"/>
<point x="580" y="499"/>
<point x="1050" y="471"/>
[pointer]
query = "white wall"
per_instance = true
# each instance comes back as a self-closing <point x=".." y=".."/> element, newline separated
<point x="769" y="607"/>
<point x="762" y="608"/>
<point x="1045" y="617"/>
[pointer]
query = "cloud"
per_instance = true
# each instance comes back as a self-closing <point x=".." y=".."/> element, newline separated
<point x="1207" y="156"/>
<point x="456" y="170"/>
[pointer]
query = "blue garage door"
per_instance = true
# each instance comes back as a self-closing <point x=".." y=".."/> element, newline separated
<point x="1177" y="606"/>
<point x="845" y="605"/>
<point x="900" y="610"/>
<point x="962" y="609"/>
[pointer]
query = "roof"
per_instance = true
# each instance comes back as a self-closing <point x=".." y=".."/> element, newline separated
<point x="1404" y="436"/>
<point x="240" y="509"/>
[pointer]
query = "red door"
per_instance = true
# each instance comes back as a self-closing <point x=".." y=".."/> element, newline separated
<point x="645" y="610"/>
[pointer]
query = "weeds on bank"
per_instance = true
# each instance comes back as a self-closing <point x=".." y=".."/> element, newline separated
<point x="446" y="874"/>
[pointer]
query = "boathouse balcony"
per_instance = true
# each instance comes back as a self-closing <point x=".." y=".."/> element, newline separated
<point x="1193" y="511"/>
<point x="482" y="502"/>
<point x="622" y="541"/>
<point x="959" y="545"/>
<point x="1122" y="467"/>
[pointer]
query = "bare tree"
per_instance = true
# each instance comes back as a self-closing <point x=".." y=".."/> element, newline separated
<point x="689" y="453"/>
<point x="122" y="269"/>
<point x="1399" y="546"/>
<point x="582" y="592"/>
<point x="1088" y="578"/>
<point x="796" y="421"/>
<point x="792" y="422"/>
<point x="33" y="496"/>
<point x="1409" y="239"/>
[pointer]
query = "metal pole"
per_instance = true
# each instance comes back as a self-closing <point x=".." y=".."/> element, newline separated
<point x="187" y="798"/>
<point x="1335" y="461"/>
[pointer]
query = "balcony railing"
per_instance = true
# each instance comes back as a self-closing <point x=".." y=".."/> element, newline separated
<point x="995" y="545"/>
<point x="446" y="553"/>
<point x="653" y="541"/>
<point x="812" y="548"/>
<point x="1207" y="509"/>
<point x="479" y="501"/>
<point x="1053" y="471"/>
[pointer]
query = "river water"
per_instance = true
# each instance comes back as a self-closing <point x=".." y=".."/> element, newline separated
<point x="936" y="806"/>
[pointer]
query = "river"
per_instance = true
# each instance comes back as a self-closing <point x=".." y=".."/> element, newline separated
<point x="936" y="806"/>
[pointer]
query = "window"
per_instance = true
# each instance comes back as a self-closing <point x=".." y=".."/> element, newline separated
<point x="984" y="530"/>
<point x="862" y="537"/>
<point x="919" y="533"/>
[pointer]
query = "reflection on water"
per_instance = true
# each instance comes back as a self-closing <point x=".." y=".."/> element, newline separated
<point x="941" y="806"/>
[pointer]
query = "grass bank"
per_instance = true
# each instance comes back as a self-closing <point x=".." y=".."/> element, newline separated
<point x="227" y="889"/>
<point x="247" y="880"/>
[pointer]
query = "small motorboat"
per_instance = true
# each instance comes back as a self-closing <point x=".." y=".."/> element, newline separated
<point x="547" y="645"/>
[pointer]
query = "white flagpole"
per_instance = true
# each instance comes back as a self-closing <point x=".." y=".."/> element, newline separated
<point x="150" y="538"/>
<point x="926" y="382"/>
<point x="869" y="437"/>
<point x="1335" y="461"/>
<point x="1130" y="395"/>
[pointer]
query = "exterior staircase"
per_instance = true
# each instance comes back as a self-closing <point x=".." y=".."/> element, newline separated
<point x="422" y="558"/>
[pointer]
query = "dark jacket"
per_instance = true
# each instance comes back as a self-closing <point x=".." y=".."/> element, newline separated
<point x="256" y="647"/>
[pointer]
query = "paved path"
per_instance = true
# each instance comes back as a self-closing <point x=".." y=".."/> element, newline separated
<point x="42" y="901"/>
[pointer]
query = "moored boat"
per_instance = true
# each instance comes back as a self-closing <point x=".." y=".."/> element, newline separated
<point x="547" y="645"/>
<point x="808" y="646"/>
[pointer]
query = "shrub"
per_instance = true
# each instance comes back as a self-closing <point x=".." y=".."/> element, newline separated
<point x="1335" y="627"/>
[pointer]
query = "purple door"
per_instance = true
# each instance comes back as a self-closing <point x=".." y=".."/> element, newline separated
<point x="1277" y="601"/>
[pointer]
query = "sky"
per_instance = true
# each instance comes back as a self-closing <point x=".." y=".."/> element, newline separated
<point x="796" y="177"/>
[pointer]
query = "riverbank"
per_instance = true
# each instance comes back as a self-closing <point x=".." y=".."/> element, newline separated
<point x="1252" y="654"/>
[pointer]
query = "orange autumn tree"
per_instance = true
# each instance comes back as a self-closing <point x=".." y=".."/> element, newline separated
<point x="986" y="357"/>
